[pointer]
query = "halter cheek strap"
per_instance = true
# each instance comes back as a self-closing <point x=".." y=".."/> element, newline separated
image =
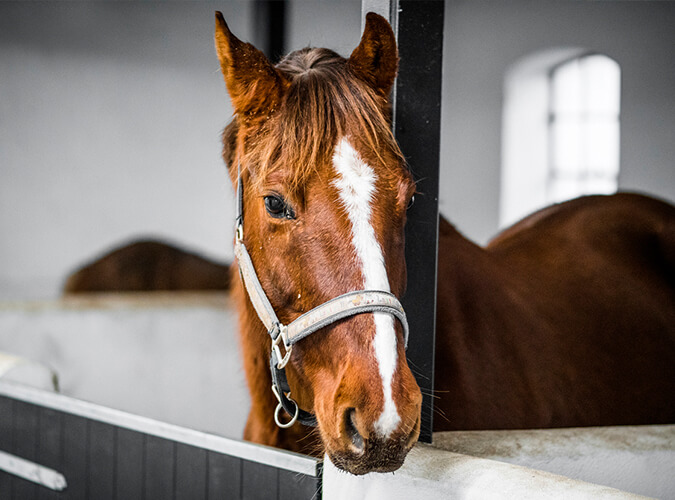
<point x="285" y="336"/>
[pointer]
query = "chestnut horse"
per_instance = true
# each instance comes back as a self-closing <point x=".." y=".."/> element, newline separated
<point x="566" y="319"/>
<point x="148" y="265"/>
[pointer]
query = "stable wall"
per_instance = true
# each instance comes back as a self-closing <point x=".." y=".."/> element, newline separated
<point x="173" y="357"/>
<point x="110" y="123"/>
<point x="483" y="38"/>
<point x="110" y="115"/>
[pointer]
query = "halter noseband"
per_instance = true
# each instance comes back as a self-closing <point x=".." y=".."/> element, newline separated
<point x="343" y="306"/>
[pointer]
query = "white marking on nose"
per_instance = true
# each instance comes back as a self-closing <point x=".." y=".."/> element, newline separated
<point x="356" y="187"/>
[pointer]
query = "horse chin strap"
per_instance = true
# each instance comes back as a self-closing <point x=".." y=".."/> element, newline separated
<point x="285" y="336"/>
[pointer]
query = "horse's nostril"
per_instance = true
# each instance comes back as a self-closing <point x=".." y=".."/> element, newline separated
<point x="352" y="432"/>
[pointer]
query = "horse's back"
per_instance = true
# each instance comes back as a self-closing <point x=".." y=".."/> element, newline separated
<point x="148" y="265"/>
<point x="623" y="216"/>
<point x="578" y="315"/>
<point x="626" y="236"/>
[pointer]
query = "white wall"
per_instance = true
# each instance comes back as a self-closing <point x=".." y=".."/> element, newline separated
<point x="484" y="38"/>
<point x="110" y="115"/>
<point x="110" y="121"/>
<point x="172" y="357"/>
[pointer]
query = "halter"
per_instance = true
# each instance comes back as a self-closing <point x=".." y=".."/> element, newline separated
<point x="343" y="306"/>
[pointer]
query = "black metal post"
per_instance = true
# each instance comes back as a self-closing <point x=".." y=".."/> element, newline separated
<point x="417" y="125"/>
<point x="269" y="18"/>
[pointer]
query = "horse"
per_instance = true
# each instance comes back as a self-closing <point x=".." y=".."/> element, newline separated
<point x="148" y="265"/>
<point x="565" y="319"/>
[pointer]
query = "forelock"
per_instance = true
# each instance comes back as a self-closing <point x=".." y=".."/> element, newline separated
<point x="324" y="102"/>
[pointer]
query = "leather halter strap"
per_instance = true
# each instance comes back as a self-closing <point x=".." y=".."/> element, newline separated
<point x="341" y="307"/>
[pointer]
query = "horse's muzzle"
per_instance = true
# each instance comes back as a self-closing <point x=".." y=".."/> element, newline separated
<point x="361" y="455"/>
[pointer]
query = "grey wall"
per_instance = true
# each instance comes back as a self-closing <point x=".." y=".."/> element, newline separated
<point x="110" y="115"/>
<point x="484" y="38"/>
<point x="169" y="357"/>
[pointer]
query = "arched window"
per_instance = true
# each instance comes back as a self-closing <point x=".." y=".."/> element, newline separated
<point x="560" y="130"/>
<point x="583" y="127"/>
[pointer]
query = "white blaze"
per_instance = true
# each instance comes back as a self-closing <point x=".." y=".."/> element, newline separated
<point x="356" y="187"/>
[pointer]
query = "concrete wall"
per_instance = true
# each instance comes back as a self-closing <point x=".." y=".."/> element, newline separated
<point x="436" y="474"/>
<point x="173" y="357"/>
<point x="110" y="115"/>
<point x="637" y="459"/>
<point x="484" y="38"/>
<point x="110" y="122"/>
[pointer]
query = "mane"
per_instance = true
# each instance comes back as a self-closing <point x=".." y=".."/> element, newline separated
<point x="324" y="101"/>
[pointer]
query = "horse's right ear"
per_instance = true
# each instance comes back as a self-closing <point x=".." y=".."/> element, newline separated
<point x="254" y="85"/>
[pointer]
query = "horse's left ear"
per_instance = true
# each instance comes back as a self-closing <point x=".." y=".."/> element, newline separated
<point x="375" y="60"/>
<point x="255" y="87"/>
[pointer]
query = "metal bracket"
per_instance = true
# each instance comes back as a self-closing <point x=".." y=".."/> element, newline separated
<point x="281" y="337"/>
<point x="281" y="407"/>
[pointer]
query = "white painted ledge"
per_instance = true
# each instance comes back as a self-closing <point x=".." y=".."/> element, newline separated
<point x="430" y="473"/>
<point x="639" y="459"/>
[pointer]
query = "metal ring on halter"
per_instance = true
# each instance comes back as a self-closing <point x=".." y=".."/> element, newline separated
<point x="281" y="337"/>
<point x="280" y="407"/>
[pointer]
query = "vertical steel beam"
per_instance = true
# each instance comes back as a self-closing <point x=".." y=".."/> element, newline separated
<point x="418" y="26"/>
<point x="269" y="30"/>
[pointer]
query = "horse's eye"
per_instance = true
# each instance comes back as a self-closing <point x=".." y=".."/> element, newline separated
<point x="411" y="202"/>
<point x="277" y="207"/>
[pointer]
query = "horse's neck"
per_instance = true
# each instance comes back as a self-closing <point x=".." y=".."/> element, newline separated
<point x="468" y="274"/>
<point x="478" y="298"/>
<point x="487" y="336"/>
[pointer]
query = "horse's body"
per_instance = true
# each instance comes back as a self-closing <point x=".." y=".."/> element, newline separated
<point x="148" y="265"/>
<point x="566" y="319"/>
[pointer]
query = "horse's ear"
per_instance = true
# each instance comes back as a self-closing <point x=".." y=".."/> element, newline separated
<point x="254" y="85"/>
<point x="375" y="60"/>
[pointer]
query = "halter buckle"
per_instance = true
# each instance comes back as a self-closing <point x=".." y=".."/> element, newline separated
<point x="239" y="232"/>
<point x="281" y="337"/>
<point x="280" y="407"/>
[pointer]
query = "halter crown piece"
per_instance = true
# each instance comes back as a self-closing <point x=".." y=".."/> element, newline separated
<point x="343" y="306"/>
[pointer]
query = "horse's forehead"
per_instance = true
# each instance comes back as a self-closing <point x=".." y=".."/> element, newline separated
<point x="351" y="168"/>
<point x="356" y="164"/>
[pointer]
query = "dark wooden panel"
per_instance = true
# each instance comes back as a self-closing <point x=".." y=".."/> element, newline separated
<point x="294" y="486"/>
<point x="259" y="482"/>
<point x="6" y="439"/>
<point x="6" y="481"/>
<point x="129" y="465"/>
<point x="159" y="464"/>
<point x="191" y="470"/>
<point x="75" y="451"/>
<point x="417" y="128"/>
<point x="6" y="424"/>
<point x="49" y="447"/>
<point x="101" y="460"/>
<point x="26" y="420"/>
<point x="224" y="476"/>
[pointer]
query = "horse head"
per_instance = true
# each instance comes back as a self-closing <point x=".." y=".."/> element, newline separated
<point x="324" y="194"/>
